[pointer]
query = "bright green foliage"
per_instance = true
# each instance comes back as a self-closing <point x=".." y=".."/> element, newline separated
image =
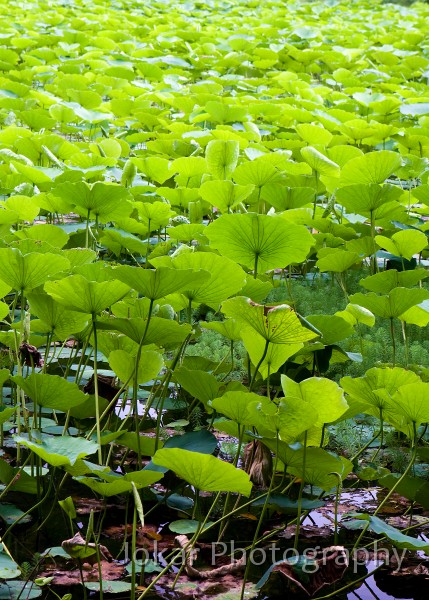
<point x="259" y="242"/>
<point x="204" y="471"/>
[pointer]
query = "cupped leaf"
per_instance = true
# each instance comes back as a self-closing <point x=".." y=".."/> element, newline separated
<point x="204" y="471"/>
<point x="277" y="324"/>
<point x="363" y="389"/>
<point x="338" y="261"/>
<point x="27" y="272"/>
<point x="260" y="242"/>
<point x="222" y="157"/>
<point x="392" y="305"/>
<point x="57" y="319"/>
<point x="235" y="405"/>
<point x="405" y="243"/>
<point x="386" y="281"/>
<point x="77" y="293"/>
<point x="115" y="484"/>
<point x="410" y="402"/>
<point x="150" y="365"/>
<point x="373" y="167"/>
<point x="317" y="466"/>
<point x="59" y="451"/>
<point x="319" y="162"/>
<point x="333" y="328"/>
<point x="50" y="391"/>
<point x="225" y="195"/>
<point x="201" y="385"/>
<point x="162" y="332"/>
<point x="367" y="198"/>
<point x="322" y="395"/>
<point x="100" y="200"/>
<point x="227" y="278"/>
<point x="155" y="284"/>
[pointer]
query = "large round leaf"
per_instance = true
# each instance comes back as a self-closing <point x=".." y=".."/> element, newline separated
<point x="322" y="395"/>
<point x="366" y="198"/>
<point x="373" y="167"/>
<point x="59" y="451"/>
<point x="26" y="272"/>
<point x="259" y="240"/>
<point x="405" y="243"/>
<point x="227" y="278"/>
<point x="204" y="471"/>
<point x="91" y="297"/>
<point x="276" y="324"/>
<point x="319" y="162"/>
<point x="150" y="364"/>
<point x="155" y="284"/>
<point x="394" y="304"/>
<point x="51" y="391"/>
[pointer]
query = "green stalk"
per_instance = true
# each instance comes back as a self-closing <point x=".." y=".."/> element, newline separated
<point x="97" y="400"/>
<point x="405" y="473"/>
<point x="405" y="338"/>
<point x="301" y="489"/>
<point x="255" y="374"/>
<point x="392" y="335"/>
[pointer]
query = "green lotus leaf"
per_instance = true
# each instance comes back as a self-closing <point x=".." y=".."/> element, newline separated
<point x="150" y="365"/>
<point x="354" y="313"/>
<point x="322" y="396"/>
<point x="59" y="451"/>
<point x="319" y="162"/>
<point x="53" y="235"/>
<point x="389" y="379"/>
<point x="227" y="278"/>
<point x="275" y="355"/>
<point x="277" y="324"/>
<point x="386" y="281"/>
<point x="100" y="200"/>
<point x="235" y="405"/>
<point x="201" y="385"/>
<point x="283" y="197"/>
<point x="51" y="391"/>
<point x="260" y="242"/>
<point x="27" y="272"/>
<point x="117" y="484"/>
<point x="77" y="293"/>
<point x="314" y="134"/>
<point x="399" y="539"/>
<point x="364" y="199"/>
<point x="318" y="467"/>
<point x="417" y="315"/>
<point x="229" y="328"/>
<point x="161" y="332"/>
<point x="409" y="402"/>
<point x="222" y="157"/>
<point x="332" y="327"/>
<point x="255" y="172"/>
<point x="154" y="167"/>
<point x="155" y="284"/>
<point x="392" y="305"/>
<point x="405" y="243"/>
<point x="373" y="167"/>
<point x="56" y="318"/>
<point x="204" y="471"/>
<point x="338" y="261"/>
<point x="19" y="208"/>
<point x="289" y="419"/>
<point x="225" y="195"/>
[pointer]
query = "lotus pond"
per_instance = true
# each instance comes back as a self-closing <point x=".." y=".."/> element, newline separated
<point x="214" y="360"/>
